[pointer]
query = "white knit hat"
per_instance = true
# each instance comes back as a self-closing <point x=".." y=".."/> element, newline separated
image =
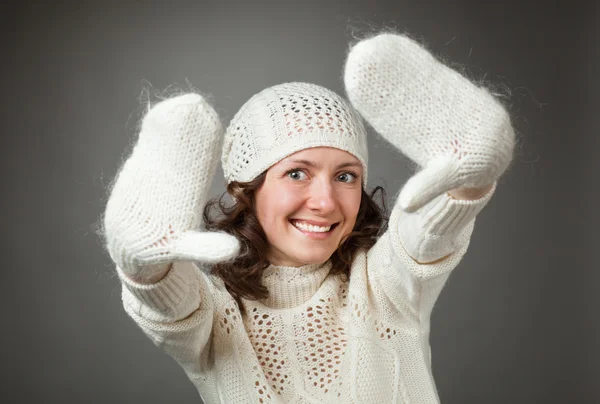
<point x="287" y="118"/>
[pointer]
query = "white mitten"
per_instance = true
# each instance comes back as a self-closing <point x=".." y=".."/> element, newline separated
<point x="458" y="133"/>
<point x="155" y="208"/>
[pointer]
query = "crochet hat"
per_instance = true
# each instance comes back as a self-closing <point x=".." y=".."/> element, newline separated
<point x="287" y="118"/>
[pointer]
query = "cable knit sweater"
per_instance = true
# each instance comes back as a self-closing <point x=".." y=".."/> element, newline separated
<point x="317" y="338"/>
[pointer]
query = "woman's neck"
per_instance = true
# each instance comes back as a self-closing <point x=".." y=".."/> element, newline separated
<point x="292" y="286"/>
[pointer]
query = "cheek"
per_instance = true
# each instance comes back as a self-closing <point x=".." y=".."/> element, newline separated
<point x="350" y="206"/>
<point x="275" y="206"/>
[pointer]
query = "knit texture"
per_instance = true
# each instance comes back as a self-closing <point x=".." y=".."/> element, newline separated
<point x="458" y="133"/>
<point x="287" y="118"/>
<point x="318" y="338"/>
<point x="155" y="207"/>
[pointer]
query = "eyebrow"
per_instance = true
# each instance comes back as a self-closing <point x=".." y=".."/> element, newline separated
<point x="317" y="165"/>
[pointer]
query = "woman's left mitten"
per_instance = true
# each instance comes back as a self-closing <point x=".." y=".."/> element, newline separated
<point x="458" y="133"/>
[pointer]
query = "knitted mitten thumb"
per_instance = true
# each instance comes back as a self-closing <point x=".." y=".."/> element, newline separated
<point x="155" y="208"/>
<point x="458" y="133"/>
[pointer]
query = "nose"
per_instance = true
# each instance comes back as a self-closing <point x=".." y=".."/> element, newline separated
<point x="322" y="197"/>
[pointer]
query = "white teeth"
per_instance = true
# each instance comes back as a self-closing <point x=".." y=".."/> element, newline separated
<point x="311" y="228"/>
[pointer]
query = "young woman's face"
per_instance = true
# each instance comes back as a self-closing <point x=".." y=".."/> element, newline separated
<point x="308" y="202"/>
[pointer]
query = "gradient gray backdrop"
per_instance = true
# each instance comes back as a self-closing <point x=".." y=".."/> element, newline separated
<point x="517" y="321"/>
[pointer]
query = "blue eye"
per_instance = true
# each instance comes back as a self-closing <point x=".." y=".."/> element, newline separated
<point x="347" y="177"/>
<point x="296" y="175"/>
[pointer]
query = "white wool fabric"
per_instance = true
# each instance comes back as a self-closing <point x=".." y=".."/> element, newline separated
<point x="318" y="337"/>
<point x="458" y="133"/>
<point x="287" y="118"/>
<point x="154" y="210"/>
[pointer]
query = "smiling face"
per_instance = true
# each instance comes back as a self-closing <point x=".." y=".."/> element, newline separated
<point x="307" y="204"/>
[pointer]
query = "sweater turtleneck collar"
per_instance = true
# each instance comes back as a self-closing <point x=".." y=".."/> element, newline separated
<point x="292" y="286"/>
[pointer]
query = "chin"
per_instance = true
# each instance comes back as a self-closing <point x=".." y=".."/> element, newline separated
<point x="314" y="258"/>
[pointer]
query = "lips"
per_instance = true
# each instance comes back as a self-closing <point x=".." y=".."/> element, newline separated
<point x="313" y="226"/>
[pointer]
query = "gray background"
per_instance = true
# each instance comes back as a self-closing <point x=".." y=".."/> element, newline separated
<point x="517" y="321"/>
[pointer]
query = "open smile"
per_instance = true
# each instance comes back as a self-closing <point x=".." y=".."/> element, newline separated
<point x="314" y="230"/>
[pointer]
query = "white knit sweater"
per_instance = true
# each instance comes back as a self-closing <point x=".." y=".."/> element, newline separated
<point x="317" y="338"/>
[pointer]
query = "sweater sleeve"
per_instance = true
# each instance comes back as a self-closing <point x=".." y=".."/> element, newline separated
<point x="434" y="231"/>
<point x="176" y="313"/>
<point x="412" y="260"/>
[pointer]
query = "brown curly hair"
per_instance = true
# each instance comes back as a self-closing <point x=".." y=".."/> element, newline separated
<point x="242" y="277"/>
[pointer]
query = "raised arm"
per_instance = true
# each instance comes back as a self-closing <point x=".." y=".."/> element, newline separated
<point x="456" y="132"/>
<point x="152" y="225"/>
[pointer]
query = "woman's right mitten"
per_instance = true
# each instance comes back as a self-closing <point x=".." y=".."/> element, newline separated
<point x="154" y="212"/>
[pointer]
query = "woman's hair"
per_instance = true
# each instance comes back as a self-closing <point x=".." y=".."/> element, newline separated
<point x="242" y="277"/>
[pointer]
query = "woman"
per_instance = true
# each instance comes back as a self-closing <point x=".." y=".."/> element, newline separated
<point x="297" y="292"/>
